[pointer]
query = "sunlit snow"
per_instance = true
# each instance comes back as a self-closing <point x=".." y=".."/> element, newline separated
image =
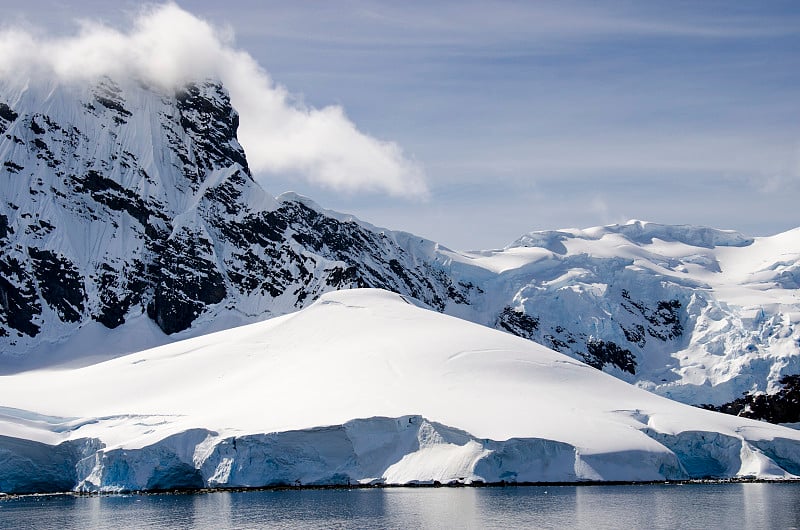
<point x="419" y="396"/>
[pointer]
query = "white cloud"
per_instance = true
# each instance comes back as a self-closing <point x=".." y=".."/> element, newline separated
<point x="167" y="46"/>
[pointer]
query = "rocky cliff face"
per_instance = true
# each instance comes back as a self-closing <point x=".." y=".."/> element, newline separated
<point x="104" y="207"/>
<point x="121" y="203"/>
<point x="120" y="200"/>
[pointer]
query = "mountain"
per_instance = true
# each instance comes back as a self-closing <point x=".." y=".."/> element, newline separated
<point x="121" y="201"/>
<point x="696" y="314"/>
<point x="362" y="386"/>
<point x="129" y="219"/>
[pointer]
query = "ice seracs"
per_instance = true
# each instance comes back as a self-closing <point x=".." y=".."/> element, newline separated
<point x="697" y="314"/>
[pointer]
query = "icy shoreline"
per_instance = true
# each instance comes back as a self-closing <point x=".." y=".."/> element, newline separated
<point x="415" y="485"/>
<point x="379" y="452"/>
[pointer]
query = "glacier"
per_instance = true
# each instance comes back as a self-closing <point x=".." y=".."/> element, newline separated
<point x="363" y="387"/>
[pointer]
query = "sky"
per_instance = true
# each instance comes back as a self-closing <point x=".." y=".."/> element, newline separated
<point x="472" y="123"/>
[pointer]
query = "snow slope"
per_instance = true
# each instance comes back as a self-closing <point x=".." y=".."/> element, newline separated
<point x="362" y="386"/>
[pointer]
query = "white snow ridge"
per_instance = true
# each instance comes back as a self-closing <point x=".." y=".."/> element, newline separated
<point x="362" y="387"/>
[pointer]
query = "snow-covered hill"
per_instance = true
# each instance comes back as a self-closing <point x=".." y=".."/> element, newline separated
<point x="362" y="386"/>
<point x="129" y="219"/>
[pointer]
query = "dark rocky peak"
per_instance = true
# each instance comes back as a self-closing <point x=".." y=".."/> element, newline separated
<point x="91" y="190"/>
<point x="209" y="119"/>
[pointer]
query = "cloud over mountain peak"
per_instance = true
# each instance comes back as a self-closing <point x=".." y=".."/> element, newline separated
<point x="166" y="46"/>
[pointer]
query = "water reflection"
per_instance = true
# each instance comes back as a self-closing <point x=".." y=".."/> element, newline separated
<point x="541" y="507"/>
<point x="443" y="508"/>
<point x="589" y="507"/>
<point x="688" y="506"/>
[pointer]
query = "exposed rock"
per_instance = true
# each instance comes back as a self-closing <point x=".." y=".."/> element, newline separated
<point x="60" y="283"/>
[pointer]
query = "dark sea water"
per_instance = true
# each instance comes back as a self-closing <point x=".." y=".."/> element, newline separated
<point x="703" y="506"/>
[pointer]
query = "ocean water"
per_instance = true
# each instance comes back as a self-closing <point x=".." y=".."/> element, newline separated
<point x="560" y="507"/>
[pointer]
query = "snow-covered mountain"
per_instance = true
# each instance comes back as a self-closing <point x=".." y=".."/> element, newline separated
<point x="361" y="387"/>
<point x="129" y="219"/>
<point x="696" y="314"/>
<point x="120" y="200"/>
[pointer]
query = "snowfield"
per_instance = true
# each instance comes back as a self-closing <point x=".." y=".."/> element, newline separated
<point x="363" y="386"/>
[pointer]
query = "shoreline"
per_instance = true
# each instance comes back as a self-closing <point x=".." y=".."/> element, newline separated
<point x="421" y="485"/>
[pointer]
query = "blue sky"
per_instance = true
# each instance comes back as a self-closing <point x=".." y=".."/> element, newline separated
<point x="535" y="115"/>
